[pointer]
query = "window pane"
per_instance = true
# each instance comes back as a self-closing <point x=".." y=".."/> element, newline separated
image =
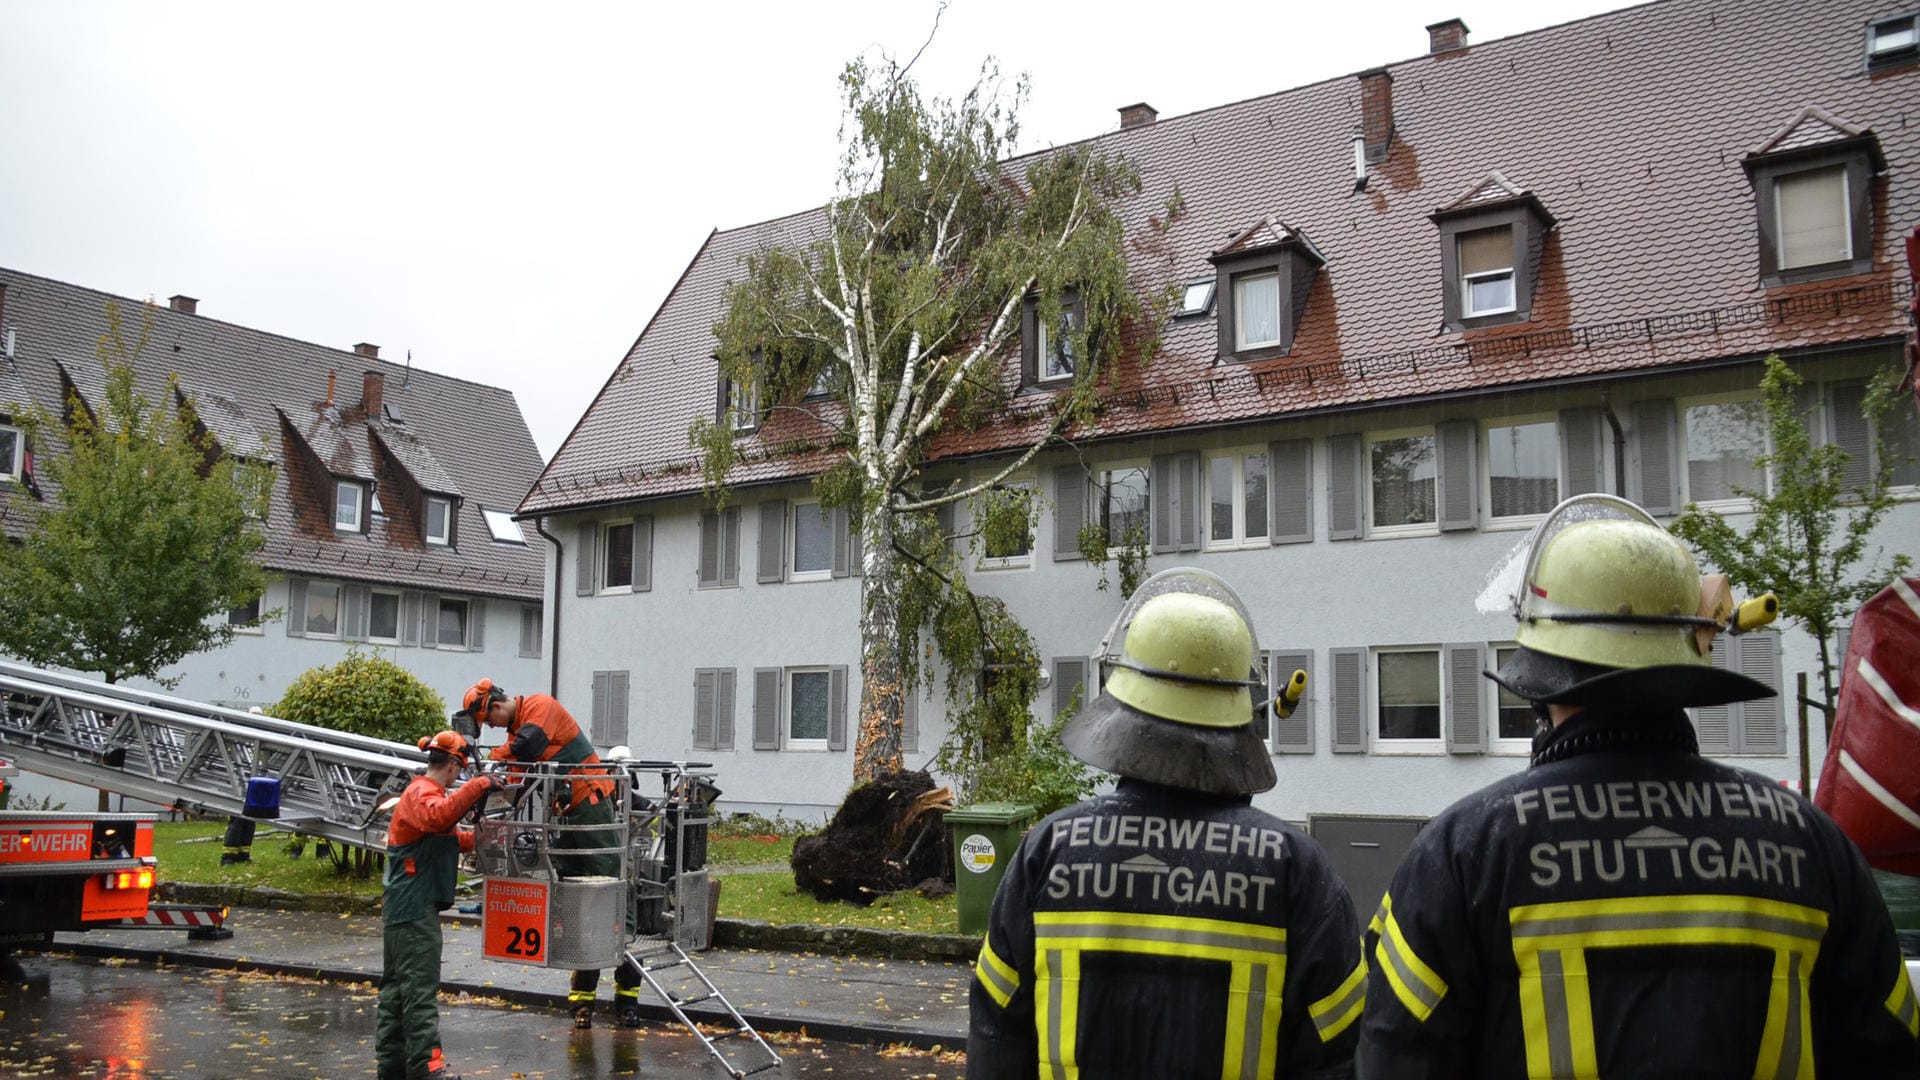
<point x="1486" y="250"/>
<point x="1256" y="310"/>
<point x="437" y="519"/>
<point x="453" y="622"/>
<point x="1198" y="297"/>
<point x="1256" y="481"/>
<point x="1900" y="441"/>
<point x="1813" y="218"/>
<point x="383" y="616"/>
<point x="346" y="505"/>
<point x="503" y="527"/>
<point x="1057" y="349"/>
<point x="1523" y="468"/>
<point x="323" y="608"/>
<point x="812" y="540"/>
<point x="1723" y="439"/>
<point x="9" y="451"/>
<point x="1516" y="716"/>
<point x="807" y="717"/>
<point x="1017" y="496"/>
<point x="245" y="613"/>
<point x="1220" y="497"/>
<point x="1410" y="695"/>
<point x="619" y="546"/>
<point x="1403" y="473"/>
<point x="1894" y="34"/>
<point x="1124" y="506"/>
<point x="1490" y="293"/>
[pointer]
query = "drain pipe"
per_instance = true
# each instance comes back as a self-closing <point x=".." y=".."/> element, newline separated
<point x="559" y="554"/>
<point x="1619" y="443"/>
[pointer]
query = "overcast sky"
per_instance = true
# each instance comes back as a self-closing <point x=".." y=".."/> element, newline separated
<point x="509" y="190"/>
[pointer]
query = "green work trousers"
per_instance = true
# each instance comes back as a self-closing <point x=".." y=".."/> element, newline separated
<point x="584" y="984"/>
<point x="407" y="1032"/>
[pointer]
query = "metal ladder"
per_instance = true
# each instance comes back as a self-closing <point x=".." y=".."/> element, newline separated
<point x="666" y="956"/>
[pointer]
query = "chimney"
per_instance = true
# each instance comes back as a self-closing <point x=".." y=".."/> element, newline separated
<point x="1140" y="115"/>
<point x="373" y="393"/>
<point x="1446" y="36"/>
<point x="184" y="304"/>
<point x="368" y="350"/>
<point x="1376" y="112"/>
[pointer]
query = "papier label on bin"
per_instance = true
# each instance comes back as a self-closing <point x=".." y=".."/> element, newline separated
<point x="977" y="854"/>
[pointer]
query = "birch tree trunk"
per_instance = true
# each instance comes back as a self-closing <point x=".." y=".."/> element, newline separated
<point x="877" y="743"/>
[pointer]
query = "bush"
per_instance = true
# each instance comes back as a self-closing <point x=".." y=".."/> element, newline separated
<point x="367" y="695"/>
<point x="1041" y="773"/>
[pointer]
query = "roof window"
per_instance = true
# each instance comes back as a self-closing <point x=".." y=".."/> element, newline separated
<point x="1893" y="42"/>
<point x="501" y="525"/>
<point x="1196" y="298"/>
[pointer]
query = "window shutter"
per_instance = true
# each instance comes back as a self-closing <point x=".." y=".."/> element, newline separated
<point x="429" y="620"/>
<point x="1176" y="501"/>
<point x="730" y="546"/>
<point x="705" y="693"/>
<point x="1807" y="404"/>
<point x="943" y="519"/>
<point x="598" y="722"/>
<point x="910" y="720"/>
<point x="837" y="707"/>
<point x="1069" y="511"/>
<point x="643" y="553"/>
<point x="1714" y="723"/>
<point x="1459" y="483"/>
<point x="1653" y="432"/>
<point x="1841" y="637"/>
<point x="296" y="607"/>
<point x="1466" y="715"/>
<point x="530" y="631"/>
<point x="1294" y="735"/>
<point x="837" y="519"/>
<point x="410" y="604"/>
<point x="766" y="708"/>
<point x="1762" y="721"/>
<point x="583" y="580"/>
<point x="1290" y="491"/>
<point x="1582" y="451"/>
<point x="1346" y="459"/>
<point x="1069" y="682"/>
<point x="1349" y="700"/>
<point x="773" y="541"/>
<point x="477" y="624"/>
<point x="856" y="549"/>
<point x="353" y="612"/>
<point x="1850" y="433"/>
<point x="617" y="707"/>
<point x="723" y="710"/>
<point x="709" y="548"/>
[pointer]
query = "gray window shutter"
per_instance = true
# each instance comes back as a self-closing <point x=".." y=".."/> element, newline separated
<point x="1583" y="451"/>
<point x="910" y="720"/>
<point x="730" y="546"/>
<point x="1762" y="721"/>
<point x="530" y="615"/>
<point x="353" y="612"/>
<point x="1851" y="433"/>
<point x="1841" y="637"/>
<point x="837" y="707"/>
<point x="601" y="695"/>
<point x="1175" y="498"/>
<point x="1346" y="486"/>
<point x="723" y="710"/>
<point x="1459" y="481"/>
<point x="429" y="620"/>
<point x="583" y="580"/>
<point x="856" y="549"/>
<point x="705" y="696"/>
<point x="296" y="607"/>
<point x="1069" y="684"/>
<point x="477" y="624"/>
<point x="1349" y="700"/>
<point x="709" y="548"/>
<point x="643" y="553"/>
<point x="617" y="707"/>
<point x="410" y="604"/>
<point x="1714" y="723"/>
<point x="1290" y="491"/>
<point x="1658" y="477"/>
<point x="1466" y="713"/>
<point x="773" y="541"/>
<point x="1294" y="735"/>
<point x="766" y="708"/>
<point x="837" y="520"/>
<point x="1806" y="402"/>
<point x="1069" y="511"/>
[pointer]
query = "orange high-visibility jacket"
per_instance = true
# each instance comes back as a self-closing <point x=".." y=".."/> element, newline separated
<point x="543" y="730"/>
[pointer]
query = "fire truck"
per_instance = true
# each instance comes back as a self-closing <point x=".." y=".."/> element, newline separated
<point x="61" y="871"/>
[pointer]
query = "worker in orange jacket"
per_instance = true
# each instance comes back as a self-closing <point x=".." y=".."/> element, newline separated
<point x="424" y="844"/>
<point x="541" y="729"/>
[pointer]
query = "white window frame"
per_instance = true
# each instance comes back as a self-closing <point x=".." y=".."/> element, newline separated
<point x="1487" y="428"/>
<point x="1733" y="504"/>
<point x="1434" y="747"/>
<point x="794" y="573"/>
<point x="256" y="629"/>
<point x="12" y="464"/>
<point x="1909" y="23"/>
<point x="1017" y="562"/>
<point x="358" y="523"/>
<point x="1240" y="539"/>
<point x="1097" y="498"/>
<point x="466" y="639"/>
<point x="605" y="546"/>
<point x="1196" y="297"/>
<point x="315" y="588"/>
<point x="1780" y="221"/>
<point x="399" y="616"/>
<point x="502" y="527"/>
<point x="743" y="404"/>
<point x="444" y="537"/>
<point x="1496" y="744"/>
<point x="1053" y="361"/>
<point x="787" y="740"/>
<point x="1239" y="283"/>
<point x="1467" y="281"/>
<point x="1376" y="531"/>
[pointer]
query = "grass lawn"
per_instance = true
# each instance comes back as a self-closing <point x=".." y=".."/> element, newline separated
<point x="758" y="884"/>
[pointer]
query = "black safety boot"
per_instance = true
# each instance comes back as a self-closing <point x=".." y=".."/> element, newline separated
<point x="629" y="1015"/>
<point x="583" y="1015"/>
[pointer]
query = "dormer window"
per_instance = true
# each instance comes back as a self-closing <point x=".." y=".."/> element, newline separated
<point x="1256" y="311"/>
<point x="1812" y="185"/>
<point x="739" y="405"/>
<point x="349" y="506"/>
<point x="1262" y="279"/>
<point x="1486" y="271"/>
<point x="1047" y="352"/>
<point x="1491" y="241"/>
<point x="439" y="528"/>
<point x="1892" y="42"/>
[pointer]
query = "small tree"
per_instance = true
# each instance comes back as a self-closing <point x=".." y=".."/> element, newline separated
<point x="151" y="534"/>
<point x="1811" y="532"/>
<point x="366" y="694"/>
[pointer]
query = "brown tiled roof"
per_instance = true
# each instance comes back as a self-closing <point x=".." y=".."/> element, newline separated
<point x="1630" y="127"/>
<point x="246" y="384"/>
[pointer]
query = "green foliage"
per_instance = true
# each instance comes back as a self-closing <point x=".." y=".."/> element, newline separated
<point x="367" y="695"/>
<point x="1129" y="555"/>
<point x="151" y="540"/>
<point x="1808" y="535"/>
<point x="1006" y="521"/>
<point x="33" y="802"/>
<point x="1039" y="772"/>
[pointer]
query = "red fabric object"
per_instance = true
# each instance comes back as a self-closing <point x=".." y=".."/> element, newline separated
<point x="1870" y="782"/>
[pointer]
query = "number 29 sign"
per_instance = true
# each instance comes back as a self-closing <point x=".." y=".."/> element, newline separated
<point x="515" y="920"/>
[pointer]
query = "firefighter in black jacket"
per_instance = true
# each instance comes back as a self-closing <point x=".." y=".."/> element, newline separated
<point x="1170" y="929"/>
<point x="1626" y="907"/>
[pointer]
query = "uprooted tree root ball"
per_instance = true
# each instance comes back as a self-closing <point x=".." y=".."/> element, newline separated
<point x="890" y="834"/>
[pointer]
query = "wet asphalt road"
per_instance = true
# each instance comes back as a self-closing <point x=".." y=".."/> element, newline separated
<point x="77" y="1017"/>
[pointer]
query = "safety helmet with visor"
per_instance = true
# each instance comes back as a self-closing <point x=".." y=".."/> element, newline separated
<point x="451" y="743"/>
<point x="475" y="703"/>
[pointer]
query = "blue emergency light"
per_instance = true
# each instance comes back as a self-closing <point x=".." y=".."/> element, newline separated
<point x="263" y="797"/>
